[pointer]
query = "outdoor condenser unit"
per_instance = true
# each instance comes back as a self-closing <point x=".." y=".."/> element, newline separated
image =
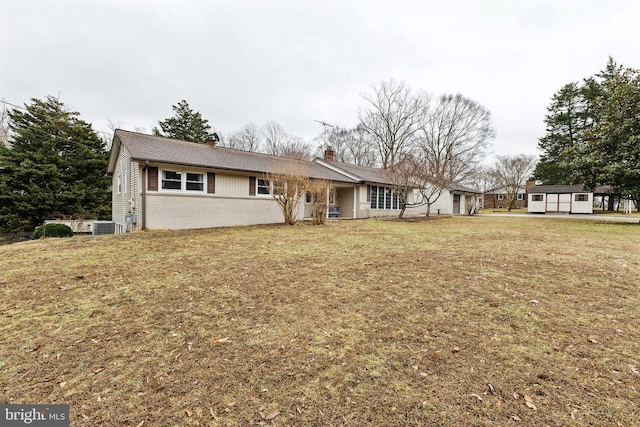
<point x="103" y="227"/>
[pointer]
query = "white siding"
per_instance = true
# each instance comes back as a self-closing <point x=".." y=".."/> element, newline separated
<point x="582" y="206"/>
<point x="120" y="193"/>
<point x="537" y="206"/>
<point x="229" y="185"/>
<point x="553" y="202"/>
<point x="135" y="194"/>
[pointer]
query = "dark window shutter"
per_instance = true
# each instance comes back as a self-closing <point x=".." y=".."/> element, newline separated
<point x="152" y="178"/>
<point x="368" y="193"/>
<point x="211" y="182"/>
<point x="252" y="185"/>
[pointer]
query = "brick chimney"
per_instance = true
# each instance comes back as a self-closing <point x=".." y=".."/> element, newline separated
<point x="212" y="139"/>
<point x="328" y="153"/>
<point x="530" y="183"/>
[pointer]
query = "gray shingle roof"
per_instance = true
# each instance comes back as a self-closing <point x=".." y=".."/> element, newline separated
<point x="364" y="173"/>
<point x="165" y="150"/>
<point x="158" y="149"/>
<point x="463" y="189"/>
<point x="564" y="189"/>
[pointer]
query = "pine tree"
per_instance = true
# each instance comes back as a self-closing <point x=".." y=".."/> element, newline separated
<point x="610" y="153"/>
<point x="567" y="119"/>
<point x="186" y="125"/>
<point x="54" y="166"/>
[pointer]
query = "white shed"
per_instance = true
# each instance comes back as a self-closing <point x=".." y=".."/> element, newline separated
<point x="561" y="198"/>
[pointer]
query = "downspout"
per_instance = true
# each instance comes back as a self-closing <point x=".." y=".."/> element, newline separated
<point x="143" y="208"/>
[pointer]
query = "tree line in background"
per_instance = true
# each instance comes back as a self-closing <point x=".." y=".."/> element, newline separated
<point x="52" y="163"/>
<point x="593" y="133"/>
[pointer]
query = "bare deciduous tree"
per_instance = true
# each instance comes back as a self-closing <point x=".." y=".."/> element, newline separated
<point x="274" y="138"/>
<point x="405" y="176"/>
<point x="362" y="149"/>
<point x="318" y="191"/>
<point x="337" y="138"/>
<point x="295" y="147"/>
<point x="453" y="139"/>
<point x="278" y="142"/>
<point x="392" y="118"/>
<point x="352" y="146"/>
<point x="289" y="183"/>
<point x="511" y="173"/>
<point x="248" y="138"/>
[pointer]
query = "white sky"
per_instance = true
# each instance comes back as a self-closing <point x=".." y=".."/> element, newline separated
<point x="297" y="61"/>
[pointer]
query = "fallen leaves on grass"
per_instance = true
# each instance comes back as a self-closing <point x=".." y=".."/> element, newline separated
<point x="270" y="416"/>
<point x="529" y="403"/>
<point x="477" y="396"/>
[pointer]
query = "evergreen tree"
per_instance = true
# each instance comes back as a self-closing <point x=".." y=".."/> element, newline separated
<point x="54" y="165"/>
<point x="569" y="115"/>
<point x="610" y="152"/>
<point x="186" y="125"/>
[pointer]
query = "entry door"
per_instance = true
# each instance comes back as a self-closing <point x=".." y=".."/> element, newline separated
<point x="456" y="204"/>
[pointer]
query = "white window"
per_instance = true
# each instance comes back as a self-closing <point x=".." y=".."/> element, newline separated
<point x="264" y="186"/>
<point x="195" y="182"/>
<point x="520" y="196"/>
<point x="501" y="196"/>
<point x="384" y="198"/>
<point x="171" y="180"/>
<point x="182" y="181"/>
<point x="122" y="178"/>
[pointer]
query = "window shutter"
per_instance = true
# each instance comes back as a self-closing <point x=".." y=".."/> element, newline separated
<point x="152" y="178"/>
<point x="211" y="182"/>
<point x="252" y="185"/>
<point x="368" y="193"/>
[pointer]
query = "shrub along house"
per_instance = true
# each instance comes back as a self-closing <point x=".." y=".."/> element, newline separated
<point x="162" y="183"/>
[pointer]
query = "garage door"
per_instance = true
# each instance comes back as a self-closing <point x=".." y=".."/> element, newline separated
<point x="558" y="202"/>
<point x="564" y="203"/>
<point x="552" y="203"/>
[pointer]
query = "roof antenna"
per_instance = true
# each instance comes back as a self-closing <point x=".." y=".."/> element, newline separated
<point x="324" y="137"/>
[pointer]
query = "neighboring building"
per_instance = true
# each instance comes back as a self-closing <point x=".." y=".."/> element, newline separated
<point x="497" y="198"/>
<point x="162" y="183"/>
<point x="563" y="198"/>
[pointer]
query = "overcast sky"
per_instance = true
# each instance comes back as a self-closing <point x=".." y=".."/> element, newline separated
<point x="298" y="61"/>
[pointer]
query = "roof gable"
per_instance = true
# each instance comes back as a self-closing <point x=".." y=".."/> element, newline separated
<point x="363" y="173"/>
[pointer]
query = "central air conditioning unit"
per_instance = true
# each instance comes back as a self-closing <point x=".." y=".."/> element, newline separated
<point x="103" y="227"/>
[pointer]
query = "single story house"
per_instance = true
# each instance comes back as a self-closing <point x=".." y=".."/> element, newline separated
<point x="563" y="198"/>
<point x="163" y="183"/>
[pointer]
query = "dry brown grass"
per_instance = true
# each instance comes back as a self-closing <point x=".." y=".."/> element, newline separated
<point x="448" y="322"/>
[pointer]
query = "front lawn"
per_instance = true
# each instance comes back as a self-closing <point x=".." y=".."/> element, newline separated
<point x="460" y="321"/>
